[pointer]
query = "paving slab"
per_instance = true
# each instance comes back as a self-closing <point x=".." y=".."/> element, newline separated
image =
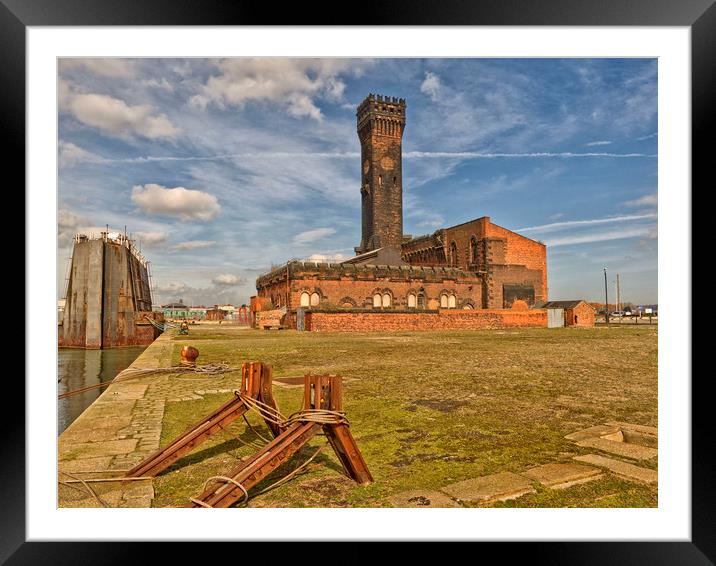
<point x="85" y="464"/>
<point x="495" y="487"/>
<point x="593" y="431"/>
<point x="623" y="469"/>
<point x="422" y="498"/>
<point x="652" y="430"/>
<point x="126" y="391"/>
<point x="625" y="449"/>
<point x="91" y="449"/>
<point x="560" y="476"/>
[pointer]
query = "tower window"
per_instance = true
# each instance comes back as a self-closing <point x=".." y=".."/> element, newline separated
<point x="305" y="300"/>
<point x="377" y="301"/>
<point x="412" y="302"/>
<point x="452" y="302"/>
<point x="443" y="301"/>
<point x="315" y="299"/>
<point x="386" y="300"/>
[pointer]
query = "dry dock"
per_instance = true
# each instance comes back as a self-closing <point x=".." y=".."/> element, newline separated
<point x="121" y="428"/>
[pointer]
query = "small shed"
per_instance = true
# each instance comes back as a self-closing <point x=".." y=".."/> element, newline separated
<point x="576" y="313"/>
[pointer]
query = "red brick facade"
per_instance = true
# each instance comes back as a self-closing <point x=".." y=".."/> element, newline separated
<point x="437" y="320"/>
<point x="501" y="257"/>
<point x="356" y="286"/>
<point x="581" y="315"/>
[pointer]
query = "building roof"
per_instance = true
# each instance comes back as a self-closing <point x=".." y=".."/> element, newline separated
<point x="561" y="304"/>
<point x="175" y="306"/>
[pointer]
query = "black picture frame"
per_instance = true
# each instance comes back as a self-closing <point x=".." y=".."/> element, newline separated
<point x="699" y="15"/>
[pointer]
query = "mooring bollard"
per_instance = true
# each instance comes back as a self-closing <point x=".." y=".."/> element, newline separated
<point x="188" y="355"/>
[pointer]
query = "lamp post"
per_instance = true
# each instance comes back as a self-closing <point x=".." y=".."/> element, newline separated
<point x="606" y="298"/>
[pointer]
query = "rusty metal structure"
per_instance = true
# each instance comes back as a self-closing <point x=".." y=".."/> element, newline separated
<point x="256" y="383"/>
<point x="323" y="397"/>
<point x="108" y="299"/>
<point x="322" y="412"/>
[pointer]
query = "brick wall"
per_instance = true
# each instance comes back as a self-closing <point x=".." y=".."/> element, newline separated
<point x="583" y="313"/>
<point x="524" y="251"/>
<point x="435" y="320"/>
<point x="345" y="285"/>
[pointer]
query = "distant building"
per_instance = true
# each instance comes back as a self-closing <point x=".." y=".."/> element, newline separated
<point x="176" y="310"/>
<point x="197" y="313"/>
<point x="216" y="313"/>
<point x="576" y="313"/>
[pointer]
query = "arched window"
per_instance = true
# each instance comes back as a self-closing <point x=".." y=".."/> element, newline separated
<point x="412" y="301"/>
<point x="305" y="299"/>
<point x="421" y="300"/>
<point x="452" y="301"/>
<point x="444" y="301"/>
<point x="377" y="301"/>
<point x="467" y="307"/>
<point x="386" y="300"/>
<point x="315" y="299"/>
<point x="453" y="254"/>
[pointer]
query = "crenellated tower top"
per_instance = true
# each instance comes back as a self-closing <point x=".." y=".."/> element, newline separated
<point x="382" y="115"/>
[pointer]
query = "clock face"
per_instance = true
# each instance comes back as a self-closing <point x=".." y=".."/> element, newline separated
<point x="366" y="167"/>
<point x="387" y="163"/>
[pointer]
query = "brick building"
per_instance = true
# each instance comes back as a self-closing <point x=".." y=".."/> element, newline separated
<point x="476" y="265"/>
<point x="576" y="313"/>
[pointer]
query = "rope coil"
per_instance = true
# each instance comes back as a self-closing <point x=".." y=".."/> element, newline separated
<point x="273" y="415"/>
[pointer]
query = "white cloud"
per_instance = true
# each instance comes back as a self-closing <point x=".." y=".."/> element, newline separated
<point x="647" y="137"/>
<point x="162" y="84"/>
<point x="171" y="288"/>
<point x="194" y="245"/>
<point x="116" y="68"/>
<point x="151" y="239"/>
<point x="184" y="203"/>
<point x="432" y="221"/>
<point x="227" y="280"/>
<point x="68" y="223"/>
<point x="312" y="235"/>
<point x="115" y="116"/>
<point x="431" y="85"/>
<point x="646" y="200"/>
<point x="488" y="155"/>
<point x="295" y="84"/>
<point x="599" y="237"/>
<point x="69" y="154"/>
<point x="599" y="142"/>
<point x="572" y="223"/>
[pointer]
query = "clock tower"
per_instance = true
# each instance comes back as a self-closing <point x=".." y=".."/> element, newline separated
<point x="381" y="121"/>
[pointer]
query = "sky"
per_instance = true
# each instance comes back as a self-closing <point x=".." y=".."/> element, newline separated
<point x="224" y="168"/>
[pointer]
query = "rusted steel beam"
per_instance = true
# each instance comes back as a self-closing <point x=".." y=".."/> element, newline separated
<point x="348" y="453"/>
<point x="251" y="472"/>
<point x="255" y="383"/>
<point x="320" y="392"/>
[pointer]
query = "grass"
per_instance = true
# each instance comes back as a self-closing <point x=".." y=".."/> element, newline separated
<point x="432" y="408"/>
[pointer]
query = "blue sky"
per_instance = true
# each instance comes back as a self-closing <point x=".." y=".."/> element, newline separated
<point x="223" y="168"/>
